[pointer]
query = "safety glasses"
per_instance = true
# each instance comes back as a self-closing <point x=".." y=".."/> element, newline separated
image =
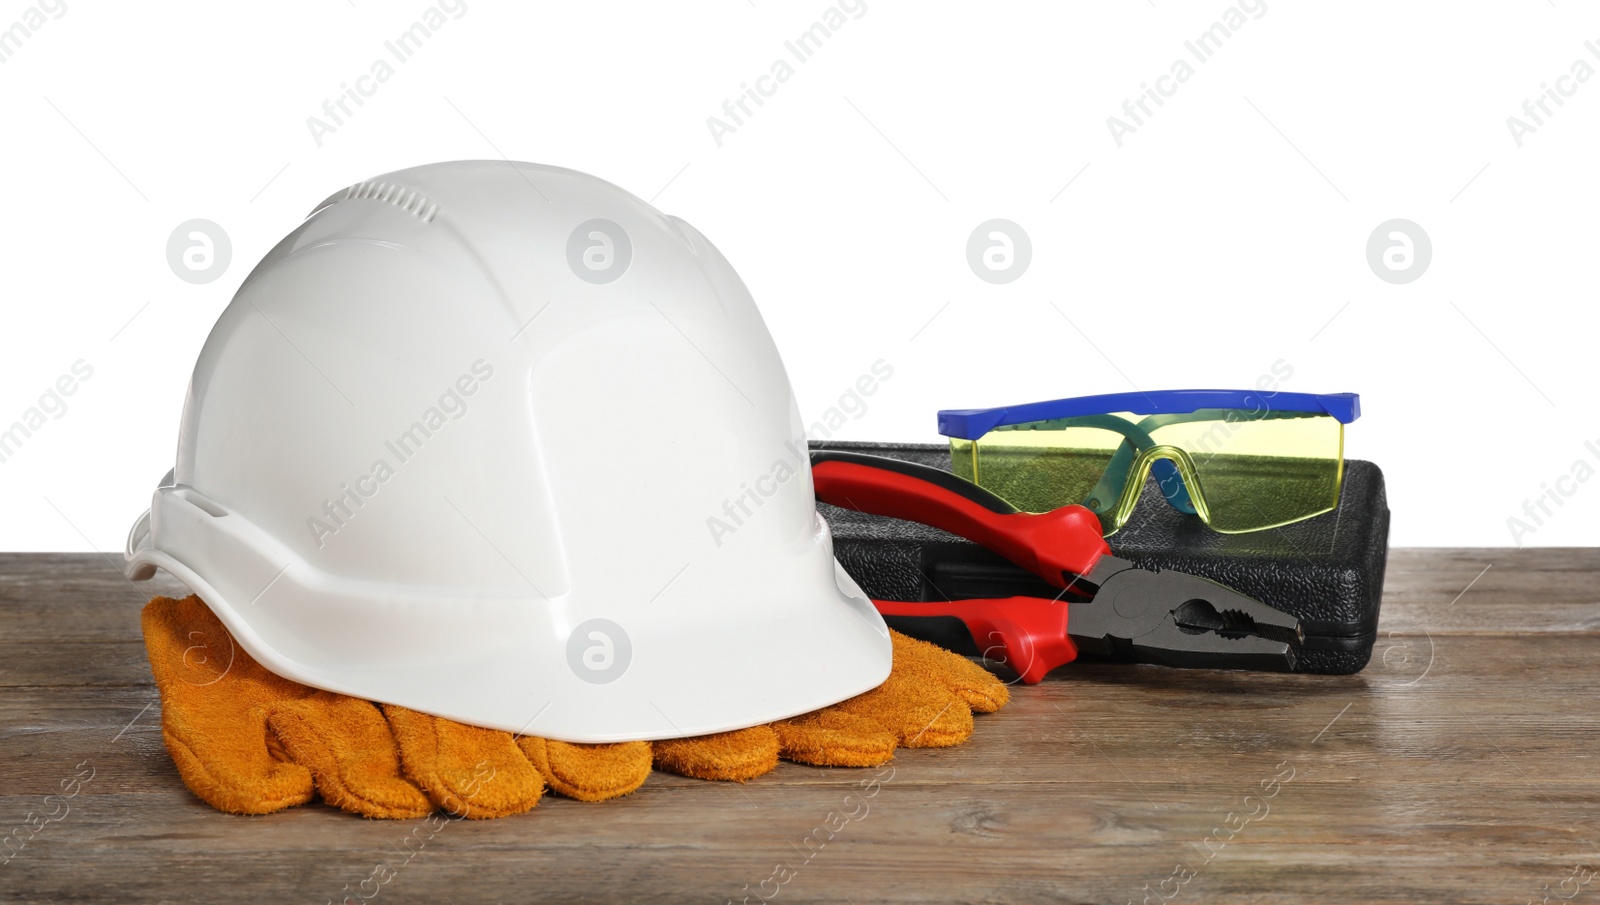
<point x="1240" y="460"/>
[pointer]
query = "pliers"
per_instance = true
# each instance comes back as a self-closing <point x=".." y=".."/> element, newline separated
<point x="1107" y="605"/>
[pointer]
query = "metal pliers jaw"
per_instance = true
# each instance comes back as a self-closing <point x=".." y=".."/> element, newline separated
<point x="1178" y="619"/>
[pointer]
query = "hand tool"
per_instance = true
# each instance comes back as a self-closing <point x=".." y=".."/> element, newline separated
<point x="1107" y="605"/>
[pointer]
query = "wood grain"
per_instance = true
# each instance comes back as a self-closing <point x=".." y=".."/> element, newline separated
<point x="1459" y="766"/>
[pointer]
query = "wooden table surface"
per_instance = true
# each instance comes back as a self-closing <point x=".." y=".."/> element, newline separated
<point x="1456" y="768"/>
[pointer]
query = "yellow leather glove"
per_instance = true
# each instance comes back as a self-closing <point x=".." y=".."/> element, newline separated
<point x="250" y="742"/>
<point x="927" y="702"/>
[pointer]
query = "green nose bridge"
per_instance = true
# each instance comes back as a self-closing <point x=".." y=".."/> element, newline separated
<point x="1107" y="494"/>
<point x="1114" y="497"/>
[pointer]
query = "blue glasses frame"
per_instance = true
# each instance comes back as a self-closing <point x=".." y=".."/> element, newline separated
<point x="970" y="424"/>
<point x="1162" y="407"/>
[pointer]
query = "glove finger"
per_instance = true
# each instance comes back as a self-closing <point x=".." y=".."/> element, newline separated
<point x="739" y="755"/>
<point x="346" y="744"/>
<point x="982" y="692"/>
<point x="835" y="738"/>
<point x="214" y="701"/>
<point x="920" y="714"/>
<point x="589" y="772"/>
<point x="467" y="770"/>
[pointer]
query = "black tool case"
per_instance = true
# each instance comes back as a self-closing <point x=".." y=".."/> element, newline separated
<point x="1326" y="571"/>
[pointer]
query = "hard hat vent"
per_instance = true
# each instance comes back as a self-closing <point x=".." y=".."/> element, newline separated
<point x="411" y="201"/>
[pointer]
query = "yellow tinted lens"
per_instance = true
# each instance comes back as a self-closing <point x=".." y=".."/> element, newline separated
<point x="1038" y="470"/>
<point x="1259" y="470"/>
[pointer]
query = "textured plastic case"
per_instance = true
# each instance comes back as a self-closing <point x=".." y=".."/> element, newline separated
<point x="1327" y="571"/>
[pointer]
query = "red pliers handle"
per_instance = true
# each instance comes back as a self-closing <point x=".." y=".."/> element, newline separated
<point x="1028" y="634"/>
<point x="1057" y="546"/>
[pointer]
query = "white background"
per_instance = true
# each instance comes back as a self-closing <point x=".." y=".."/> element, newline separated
<point x="1225" y="234"/>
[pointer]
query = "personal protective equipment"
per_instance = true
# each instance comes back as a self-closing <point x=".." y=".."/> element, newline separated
<point x="249" y="742"/>
<point x="1241" y="460"/>
<point x="503" y="444"/>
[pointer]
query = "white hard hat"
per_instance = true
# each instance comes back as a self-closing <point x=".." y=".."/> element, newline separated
<point x="504" y="444"/>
